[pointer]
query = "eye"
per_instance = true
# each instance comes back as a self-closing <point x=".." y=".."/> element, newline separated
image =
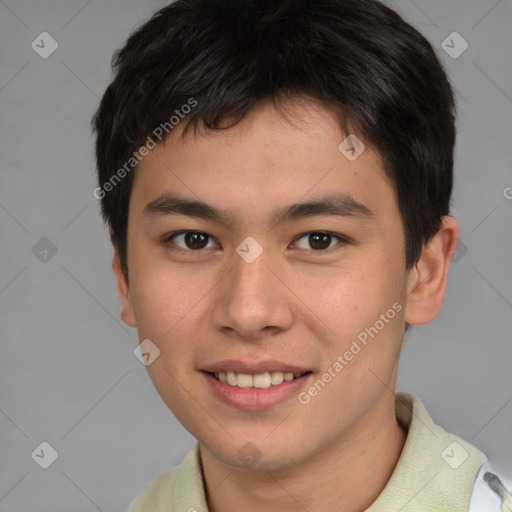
<point x="193" y="241"/>
<point x="319" y="240"/>
<point x="187" y="242"/>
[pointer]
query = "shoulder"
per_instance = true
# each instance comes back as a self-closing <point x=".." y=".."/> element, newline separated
<point x="462" y="468"/>
<point x="157" y="493"/>
<point x="177" y="488"/>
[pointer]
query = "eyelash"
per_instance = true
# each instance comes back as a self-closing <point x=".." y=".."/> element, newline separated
<point x="189" y="252"/>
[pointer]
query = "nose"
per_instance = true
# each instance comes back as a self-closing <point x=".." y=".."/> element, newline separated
<point x="253" y="300"/>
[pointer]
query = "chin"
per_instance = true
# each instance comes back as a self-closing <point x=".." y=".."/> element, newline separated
<point x="255" y="455"/>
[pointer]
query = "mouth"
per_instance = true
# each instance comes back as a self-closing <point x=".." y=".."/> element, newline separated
<point x="256" y="381"/>
<point x="254" y="389"/>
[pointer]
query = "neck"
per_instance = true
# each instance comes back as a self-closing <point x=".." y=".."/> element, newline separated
<point x="347" y="476"/>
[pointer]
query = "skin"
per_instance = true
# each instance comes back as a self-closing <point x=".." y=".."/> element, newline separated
<point x="293" y="304"/>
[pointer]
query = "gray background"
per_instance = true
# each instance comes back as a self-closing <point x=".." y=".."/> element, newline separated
<point x="68" y="373"/>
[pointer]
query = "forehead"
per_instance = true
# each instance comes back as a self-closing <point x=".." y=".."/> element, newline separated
<point x="265" y="161"/>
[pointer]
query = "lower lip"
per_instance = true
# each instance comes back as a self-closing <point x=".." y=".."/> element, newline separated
<point x="255" y="399"/>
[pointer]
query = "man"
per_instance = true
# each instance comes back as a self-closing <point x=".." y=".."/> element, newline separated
<point x="276" y="176"/>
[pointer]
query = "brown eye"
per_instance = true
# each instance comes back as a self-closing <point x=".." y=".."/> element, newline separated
<point x="190" y="240"/>
<point x="195" y="240"/>
<point x="318" y="240"/>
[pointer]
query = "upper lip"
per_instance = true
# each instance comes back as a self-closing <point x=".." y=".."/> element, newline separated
<point x="271" y="365"/>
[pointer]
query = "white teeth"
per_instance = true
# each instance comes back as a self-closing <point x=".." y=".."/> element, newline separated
<point x="261" y="380"/>
<point x="276" y="378"/>
<point x="243" y="380"/>
<point x="231" y="378"/>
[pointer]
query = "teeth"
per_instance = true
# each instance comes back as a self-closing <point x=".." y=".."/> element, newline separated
<point x="276" y="378"/>
<point x="231" y="378"/>
<point x="261" y="380"/>
<point x="243" y="380"/>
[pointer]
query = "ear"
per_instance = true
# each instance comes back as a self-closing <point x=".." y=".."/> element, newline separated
<point x="426" y="282"/>
<point x="123" y="290"/>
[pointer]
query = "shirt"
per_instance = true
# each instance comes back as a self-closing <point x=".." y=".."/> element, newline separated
<point x="436" y="471"/>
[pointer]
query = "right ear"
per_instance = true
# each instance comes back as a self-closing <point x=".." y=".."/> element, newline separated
<point x="123" y="290"/>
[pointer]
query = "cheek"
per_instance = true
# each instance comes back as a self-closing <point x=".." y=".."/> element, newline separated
<point x="350" y="302"/>
<point x="165" y="315"/>
<point x="345" y="297"/>
<point x="163" y="300"/>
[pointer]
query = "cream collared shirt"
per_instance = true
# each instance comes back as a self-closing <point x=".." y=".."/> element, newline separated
<point x="436" y="472"/>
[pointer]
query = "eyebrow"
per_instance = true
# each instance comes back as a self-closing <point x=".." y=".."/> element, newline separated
<point x="340" y="205"/>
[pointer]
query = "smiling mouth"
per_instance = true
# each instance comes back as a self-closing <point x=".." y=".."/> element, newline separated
<point x="257" y="381"/>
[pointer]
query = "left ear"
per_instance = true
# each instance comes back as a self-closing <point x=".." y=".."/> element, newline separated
<point x="426" y="282"/>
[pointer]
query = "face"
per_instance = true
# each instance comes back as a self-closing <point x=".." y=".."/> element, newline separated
<point x="318" y="289"/>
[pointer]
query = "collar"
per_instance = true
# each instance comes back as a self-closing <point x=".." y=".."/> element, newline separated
<point x="436" y="471"/>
